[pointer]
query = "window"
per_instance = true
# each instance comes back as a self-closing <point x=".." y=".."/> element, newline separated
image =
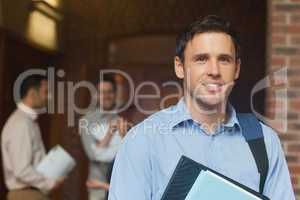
<point x="43" y="24"/>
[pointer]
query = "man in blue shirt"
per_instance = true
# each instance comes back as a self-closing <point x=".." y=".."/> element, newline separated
<point x="202" y="126"/>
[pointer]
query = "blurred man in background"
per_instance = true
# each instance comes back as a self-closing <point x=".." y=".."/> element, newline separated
<point x="101" y="132"/>
<point x="22" y="145"/>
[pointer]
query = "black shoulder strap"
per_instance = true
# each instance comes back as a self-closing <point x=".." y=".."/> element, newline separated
<point x="252" y="131"/>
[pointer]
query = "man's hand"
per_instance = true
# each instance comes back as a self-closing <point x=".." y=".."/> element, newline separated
<point x="119" y="124"/>
<point x="123" y="126"/>
<point x="113" y="127"/>
<point x="59" y="183"/>
<point x="95" y="184"/>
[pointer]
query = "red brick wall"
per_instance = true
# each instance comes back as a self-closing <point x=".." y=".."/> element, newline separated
<point x="284" y="51"/>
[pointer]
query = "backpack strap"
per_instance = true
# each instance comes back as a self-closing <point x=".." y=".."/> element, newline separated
<point x="252" y="131"/>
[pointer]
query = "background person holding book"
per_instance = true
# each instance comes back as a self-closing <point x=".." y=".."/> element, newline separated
<point x="101" y="133"/>
<point x="22" y="145"/>
<point x="202" y="126"/>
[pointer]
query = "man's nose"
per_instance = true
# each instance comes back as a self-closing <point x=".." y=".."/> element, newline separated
<point x="214" y="69"/>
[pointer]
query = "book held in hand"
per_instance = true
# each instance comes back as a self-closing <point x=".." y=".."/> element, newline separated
<point x="194" y="181"/>
<point x="211" y="186"/>
<point x="57" y="163"/>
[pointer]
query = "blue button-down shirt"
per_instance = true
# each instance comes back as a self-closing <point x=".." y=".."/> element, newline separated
<point x="149" y="155"/>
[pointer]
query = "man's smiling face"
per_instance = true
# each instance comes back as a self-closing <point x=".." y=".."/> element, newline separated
<point x="209" y="68"/>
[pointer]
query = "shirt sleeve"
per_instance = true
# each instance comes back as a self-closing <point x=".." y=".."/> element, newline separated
<point x="91" y="149"/>
<point x="88" y="143"/>
<point x="131" y="177"/>
<point x="278" y="184"/>
<point x="21" y="153"/>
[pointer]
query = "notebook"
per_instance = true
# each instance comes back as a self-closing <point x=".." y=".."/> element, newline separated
<point x="57" y="163"/>
<point x="188" y="172"/>
<point x="213" y="187"/>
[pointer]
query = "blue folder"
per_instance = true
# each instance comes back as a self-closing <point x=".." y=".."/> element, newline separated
<point x="189" y="173"/>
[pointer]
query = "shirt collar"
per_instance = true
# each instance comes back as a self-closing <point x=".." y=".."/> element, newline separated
<point x="105" y="114"/>
<point x="232" y="120"/>
<point x="183" y="115"/>
<point x="179" y="114"/>
<point x="27" y="110"/>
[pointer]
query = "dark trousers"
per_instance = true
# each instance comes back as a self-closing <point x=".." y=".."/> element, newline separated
<point x="109" y="173"/>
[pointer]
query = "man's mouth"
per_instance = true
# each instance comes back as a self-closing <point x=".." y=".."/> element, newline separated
<point x="213" y="87"/>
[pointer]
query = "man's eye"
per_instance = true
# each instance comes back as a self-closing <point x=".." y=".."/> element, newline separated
<point x="201" y="59"/>
<point x="225" y="60"/>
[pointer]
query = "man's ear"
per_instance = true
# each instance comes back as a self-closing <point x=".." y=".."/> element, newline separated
<point x="238" y="69"/>
<point x="178" y="65"/>
<point x="32" y="93"/>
